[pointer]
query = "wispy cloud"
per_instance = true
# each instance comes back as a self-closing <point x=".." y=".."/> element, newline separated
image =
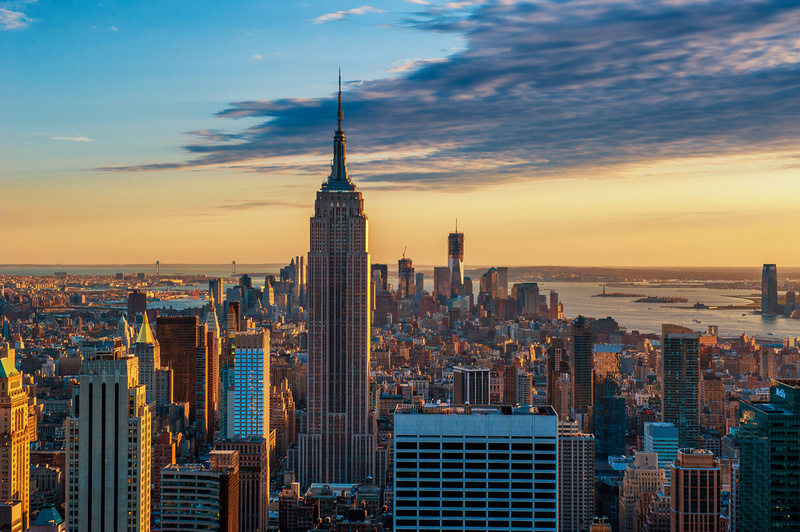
<point x="73" y="139"/>
<point x="255" y="204"/>
<point x="339" y="15"/>
<point x="11" y="19"/>
<point x="546" y="89"/>
<point x="258" y="56"/>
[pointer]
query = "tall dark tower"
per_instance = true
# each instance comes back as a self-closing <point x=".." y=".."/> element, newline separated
<point x="337" y="443"/>
<point x="581" y="367"/>
<point x="405" y="278"/>
<point x="769" y="289"/>
<point x="455" y="261"/>
<point x="680" y="377"/>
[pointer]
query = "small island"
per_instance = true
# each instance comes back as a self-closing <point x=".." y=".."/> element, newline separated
<point x="618" y="294"/>
<point x="661" y="299"/>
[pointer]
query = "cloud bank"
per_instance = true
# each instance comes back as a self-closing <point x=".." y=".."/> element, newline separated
<point x="545" y="89"/>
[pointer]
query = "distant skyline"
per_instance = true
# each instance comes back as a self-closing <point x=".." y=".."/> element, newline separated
<point x="574" y="133"/>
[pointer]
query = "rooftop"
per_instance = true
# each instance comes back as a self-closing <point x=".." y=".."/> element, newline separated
<point x="482" y="410"/>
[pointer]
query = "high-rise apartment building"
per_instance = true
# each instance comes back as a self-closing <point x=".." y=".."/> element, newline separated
<point x="575" y="477"/>
<point x="680" y="381"/>
<point x="251" y="384"/>
<point x="419" y="287"/>
<point x="769" y="453"/>
<point x="471" y="385"/>
<point x="769" y="289"/>
<point x="108" y="445"/>
<point x="488" y="468"/>
<point x="338" y="440"/>
<point x="581" y="368"/>
<point x="405" y="278"/>
<point x="147" y="350"/>
<point x="455" y="262"/>
<point x="14" y="437"/>
<point x="695" y="484"/>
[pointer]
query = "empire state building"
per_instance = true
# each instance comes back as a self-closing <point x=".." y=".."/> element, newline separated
<point x="338" y="440"/>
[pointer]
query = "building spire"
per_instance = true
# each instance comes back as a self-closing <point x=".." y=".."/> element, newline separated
<point x="340" y="116"/>
<point x="339" y="178"/>
<point x="145" y="335"/>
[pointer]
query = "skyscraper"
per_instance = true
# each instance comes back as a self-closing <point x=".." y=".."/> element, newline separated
<point x="108" y="445"/>
<point x="608" y="409"/>
<point x="680" y="397"/>
<point x="380" y="271"/>
<point x="769" y="289"/>
<point x="581" y="368"/>
<point x="338" y="441"/>
<point x="441" y="283"/>
<point x="14" y="437"/>
<point x="527" y="296"/>
<point x="177" y="337"/>
<point x="455" y="261"/>
<point x="575" y="477"/>
<point x="148" y="351"/>
<point x="405" y="278"/>
<point x="251" y="385"/>
<point x="769" y="446"/>
<point x="695" y="484"/>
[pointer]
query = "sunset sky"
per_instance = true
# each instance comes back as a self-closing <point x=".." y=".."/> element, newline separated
<point x="628" y="133"/>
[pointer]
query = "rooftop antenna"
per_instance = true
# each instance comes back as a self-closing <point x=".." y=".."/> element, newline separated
<point x="340" y="115"/>
<point x="404" y="251"/>
<point x="456" y="225"/>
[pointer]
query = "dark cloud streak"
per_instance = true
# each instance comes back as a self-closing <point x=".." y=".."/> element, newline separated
<point x="545" y="89"/>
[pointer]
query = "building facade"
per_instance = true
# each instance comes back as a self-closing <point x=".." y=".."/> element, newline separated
<point x="108" y="446"/>
<point x="769" y="451"/>
<point x="338" y="439"/>
<point x="471" y="385"/>
<point x="680" y="378"/>
<point x="14" y="437"/>
<point x="769" y="289"/>
<point x="575" y="477"/>
<point x="251" y="386"/>
<point x="695" y="484"/>
<point x="462" y="468"/>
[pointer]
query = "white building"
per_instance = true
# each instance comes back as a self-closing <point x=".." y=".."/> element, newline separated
<point x="475" y="468"/>
<point x="251" y="394"/>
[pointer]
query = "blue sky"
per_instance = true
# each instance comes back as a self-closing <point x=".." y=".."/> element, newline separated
<point x="571" y="132"/>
